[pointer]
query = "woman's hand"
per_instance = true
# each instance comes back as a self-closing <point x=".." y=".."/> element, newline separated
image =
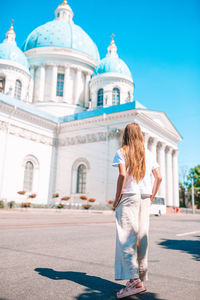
<point x="120" y="183"/>
<point x="152" y="199"/>
<point x="116" y="202"/>
<point x="157" y="182"/>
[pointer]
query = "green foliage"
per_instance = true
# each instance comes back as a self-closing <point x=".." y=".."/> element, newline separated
<point x="11" y="204"/>
<point x="182" y="194"/>
<point x="194" y="173"/>
<point x="40" y="205"/>
<point x="2" y="204"/>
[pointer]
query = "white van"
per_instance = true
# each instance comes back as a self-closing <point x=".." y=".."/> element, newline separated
<point x="158" y="207"/>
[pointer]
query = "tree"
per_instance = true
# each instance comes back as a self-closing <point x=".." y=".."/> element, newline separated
<point x="182" y="194"/>
<point x="194" y="173"/>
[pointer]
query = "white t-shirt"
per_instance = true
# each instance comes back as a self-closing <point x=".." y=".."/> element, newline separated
<point x="144" y="186"/>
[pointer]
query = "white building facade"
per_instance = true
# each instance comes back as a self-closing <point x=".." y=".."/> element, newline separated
<point x="62" y="115"/>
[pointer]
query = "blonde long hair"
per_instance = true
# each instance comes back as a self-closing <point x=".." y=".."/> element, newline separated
<point x="134" y="151"/>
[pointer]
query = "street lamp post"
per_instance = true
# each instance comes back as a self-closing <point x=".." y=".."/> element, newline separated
<point x="193" y="210"/>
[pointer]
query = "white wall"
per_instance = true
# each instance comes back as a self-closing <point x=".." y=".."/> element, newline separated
<point x="101" y="176"/>
<point x="22" y="140"/>
<point x="16" y="151"/>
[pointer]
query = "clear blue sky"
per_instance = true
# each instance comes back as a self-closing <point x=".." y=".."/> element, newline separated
<point x="159" y="40"/>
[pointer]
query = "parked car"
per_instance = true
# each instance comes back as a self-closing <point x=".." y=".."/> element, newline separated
<point x="158" y="207"/>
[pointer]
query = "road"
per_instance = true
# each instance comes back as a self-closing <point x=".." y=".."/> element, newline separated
<point x="51" y="256"/>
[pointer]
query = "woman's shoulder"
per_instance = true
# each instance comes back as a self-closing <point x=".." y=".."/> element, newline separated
<point x="118" y="158"/>
<point x="120" y="151"/>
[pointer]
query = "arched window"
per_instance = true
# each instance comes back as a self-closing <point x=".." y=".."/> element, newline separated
<point x="28" y="176"/>
<point x="115" y="96"/>
<point x="2" y="84"/>
<point x="100" y="97"/>
<point x="18" y="89"/>
<point x="81" y="179"/>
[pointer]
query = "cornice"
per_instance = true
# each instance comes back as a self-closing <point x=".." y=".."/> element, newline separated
<point x="113" y="75"/>
<point x="59" y="52"/>
<point x="64" y="66"/>
<point x="102" y="119"/>
<point x="90" y="138"/>
<point x="100" y="80"/>
<point x="26" y="134"/>
<point x="27" y="116"/>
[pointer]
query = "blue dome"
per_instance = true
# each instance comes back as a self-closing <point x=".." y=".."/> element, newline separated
<point x="12" y="52"/>
<point x="112" y="64"/>
<point x="60" y="33"/>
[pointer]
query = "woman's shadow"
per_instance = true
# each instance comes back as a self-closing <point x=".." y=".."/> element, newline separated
<point x="96" y="287"/>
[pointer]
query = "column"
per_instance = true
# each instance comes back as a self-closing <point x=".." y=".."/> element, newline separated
<point x="32" y="72"/>
<point x="153" y="146"/>
<point x="35" y="83"/>
<point x="175" y="178"/>
<point x="66" y="84"/>
<point x="161" y="161"/>
<point x="41" y="83"/>
<point x="87" y="79"/>
<point x="76" y="86"/>
<point x="31" y="85"/>
<point x="9" y="85"/>
<point x="110" y="96"/>
<point x="169" y="182"/>
<point x="53" y="85"/>
<point x="5" y="85"/>
<point x="146" y="139"/>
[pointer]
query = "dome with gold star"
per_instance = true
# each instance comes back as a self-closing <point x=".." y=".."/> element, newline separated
<point x="62" y="32"/>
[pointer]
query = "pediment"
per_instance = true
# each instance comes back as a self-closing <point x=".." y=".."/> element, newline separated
<point x="161" y="119"/>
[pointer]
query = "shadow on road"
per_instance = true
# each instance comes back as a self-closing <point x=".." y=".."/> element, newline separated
<point x="96" y="287"/>
<point x="190" y="246"/>
<point x="111" y="296"/>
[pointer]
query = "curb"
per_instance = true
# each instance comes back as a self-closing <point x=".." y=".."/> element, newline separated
<point x="60" y="211"/>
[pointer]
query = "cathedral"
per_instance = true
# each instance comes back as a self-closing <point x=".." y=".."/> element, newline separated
<point x="62" y="115"/>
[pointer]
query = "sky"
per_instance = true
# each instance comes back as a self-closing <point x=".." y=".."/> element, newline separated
<point x="159" y="41"/>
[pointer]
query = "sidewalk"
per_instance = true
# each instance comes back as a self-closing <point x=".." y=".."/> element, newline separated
<point x="170" y="211"/>
<point x="57" y="210"/>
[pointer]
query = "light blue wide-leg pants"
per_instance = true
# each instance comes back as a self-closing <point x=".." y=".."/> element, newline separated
<point x="132" y="230"/>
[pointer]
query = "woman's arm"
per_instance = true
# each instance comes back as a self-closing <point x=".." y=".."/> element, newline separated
<point x="120" y="184"/>
<point x="157" y="182"/>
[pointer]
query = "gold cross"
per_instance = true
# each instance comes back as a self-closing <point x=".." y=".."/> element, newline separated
<point x="112" y="36"/>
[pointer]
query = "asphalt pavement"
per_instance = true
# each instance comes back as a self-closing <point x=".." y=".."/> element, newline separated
<point x="55" y="255"/>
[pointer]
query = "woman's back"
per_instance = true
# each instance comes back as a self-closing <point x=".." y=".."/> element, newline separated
<point x="144" y="186"/>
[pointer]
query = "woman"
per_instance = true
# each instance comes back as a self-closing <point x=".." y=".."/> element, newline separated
<point x="134" y="196"/>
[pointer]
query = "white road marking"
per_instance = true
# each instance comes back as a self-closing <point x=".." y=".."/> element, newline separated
<point x="187" y="233"/>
